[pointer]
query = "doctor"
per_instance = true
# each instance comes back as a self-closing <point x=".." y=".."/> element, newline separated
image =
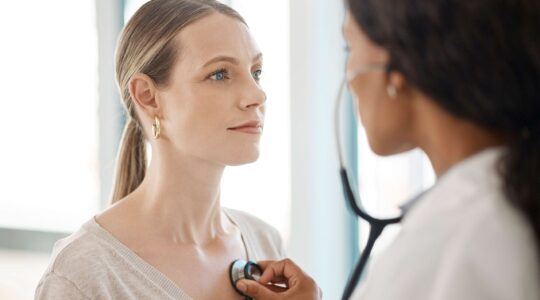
<point x="461" y="81"/>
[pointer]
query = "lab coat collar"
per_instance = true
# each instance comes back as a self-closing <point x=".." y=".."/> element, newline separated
<point x="471" y="175"/>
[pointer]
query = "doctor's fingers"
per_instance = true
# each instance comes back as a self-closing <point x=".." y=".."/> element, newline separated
<point x="299" y="284"/>
<point x="260" y="291"/>
<point x="253" y="286"/>
<point x="283" y="271"/>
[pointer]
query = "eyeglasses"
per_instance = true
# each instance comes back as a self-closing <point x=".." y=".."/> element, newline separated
<point x="350" y="76"/>
<point x="374" y="67"/>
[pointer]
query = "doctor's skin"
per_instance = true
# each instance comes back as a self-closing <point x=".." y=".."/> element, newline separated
<point x="421" y="114"/>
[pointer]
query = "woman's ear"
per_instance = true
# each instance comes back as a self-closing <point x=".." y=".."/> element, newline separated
<point x="142" y="90"/>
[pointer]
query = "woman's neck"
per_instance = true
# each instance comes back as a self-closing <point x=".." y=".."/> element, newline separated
<point x="180" y="199"/>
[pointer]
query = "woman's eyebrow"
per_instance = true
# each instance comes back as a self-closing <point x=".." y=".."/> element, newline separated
<point x="230" y="59"/>
<point x="258" y="57"/>
<point x="214" y="60"/>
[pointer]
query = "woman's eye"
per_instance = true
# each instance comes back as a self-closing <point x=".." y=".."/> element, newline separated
<point x="219" y="75"/>
<point x="257" y="75"/>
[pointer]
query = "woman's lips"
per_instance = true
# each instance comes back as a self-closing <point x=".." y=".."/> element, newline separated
<point x="251" y="127"/>
<point x="248" y="129"/>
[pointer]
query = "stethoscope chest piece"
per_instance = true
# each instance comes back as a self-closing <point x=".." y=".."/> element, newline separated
<point x="241" y="269"/>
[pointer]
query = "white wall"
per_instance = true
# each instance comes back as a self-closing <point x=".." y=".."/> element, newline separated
<point x="321" y="227"/>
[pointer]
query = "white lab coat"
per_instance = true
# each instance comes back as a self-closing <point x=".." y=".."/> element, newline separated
<point x="461" y="241"/>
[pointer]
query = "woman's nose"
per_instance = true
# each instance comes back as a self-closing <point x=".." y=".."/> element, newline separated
<point x="253" y="95"/>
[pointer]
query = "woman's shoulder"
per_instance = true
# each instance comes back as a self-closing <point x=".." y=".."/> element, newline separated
<point x="265" y="235"/>
<point x="75" y="261"/>
<point x="79" y="247"/>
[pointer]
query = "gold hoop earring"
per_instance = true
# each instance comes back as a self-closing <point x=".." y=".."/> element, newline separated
<point x="391" y="90"/>
<point x="156" y="128"/>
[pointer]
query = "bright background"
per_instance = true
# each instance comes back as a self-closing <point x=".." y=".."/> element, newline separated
<point x="61" y="119"/>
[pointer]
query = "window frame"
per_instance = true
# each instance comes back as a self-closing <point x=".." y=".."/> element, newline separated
<point x="109" y="21"/>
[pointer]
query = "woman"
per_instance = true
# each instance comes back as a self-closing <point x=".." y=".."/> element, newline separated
<point x="461" y="81"/>
<point x="188" y="73"/>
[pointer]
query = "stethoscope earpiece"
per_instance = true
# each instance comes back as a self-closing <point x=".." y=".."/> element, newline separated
<point x="241" y="269"/>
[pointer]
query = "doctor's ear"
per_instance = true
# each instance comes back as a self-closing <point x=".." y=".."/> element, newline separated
<point x="396" y="83"/>
<point x="142" y="90"/>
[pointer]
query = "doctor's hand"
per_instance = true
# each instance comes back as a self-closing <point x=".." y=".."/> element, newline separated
<point x="281" y="280"/>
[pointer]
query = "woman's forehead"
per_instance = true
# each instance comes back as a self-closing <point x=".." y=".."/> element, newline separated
<point x="216" y="34"/>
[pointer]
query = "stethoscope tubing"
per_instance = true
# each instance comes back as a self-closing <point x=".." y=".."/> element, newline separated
<point x="376" y="225"/>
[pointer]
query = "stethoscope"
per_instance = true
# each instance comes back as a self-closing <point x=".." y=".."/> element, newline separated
<point x="241" y="269"/>
<point x="376" y="225"/>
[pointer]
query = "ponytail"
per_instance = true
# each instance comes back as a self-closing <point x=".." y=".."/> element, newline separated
<point x="520" y="171"/>
<point x="131" y="161"/>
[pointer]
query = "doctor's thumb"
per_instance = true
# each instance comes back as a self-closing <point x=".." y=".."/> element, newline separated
<point x="256" y="290"/>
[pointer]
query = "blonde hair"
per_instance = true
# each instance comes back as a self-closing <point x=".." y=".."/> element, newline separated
<point x="146" y="46"/>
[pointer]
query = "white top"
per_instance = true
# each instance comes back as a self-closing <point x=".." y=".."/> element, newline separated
<point x="92" y="264"/>
<point x="461" y="241"/>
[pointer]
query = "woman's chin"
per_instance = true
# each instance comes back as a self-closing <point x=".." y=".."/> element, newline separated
<point x="243" y="159"/>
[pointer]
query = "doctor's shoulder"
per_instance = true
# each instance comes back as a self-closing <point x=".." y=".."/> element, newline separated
<point x="259" y="234"/>
<point x="496" y="257"/>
